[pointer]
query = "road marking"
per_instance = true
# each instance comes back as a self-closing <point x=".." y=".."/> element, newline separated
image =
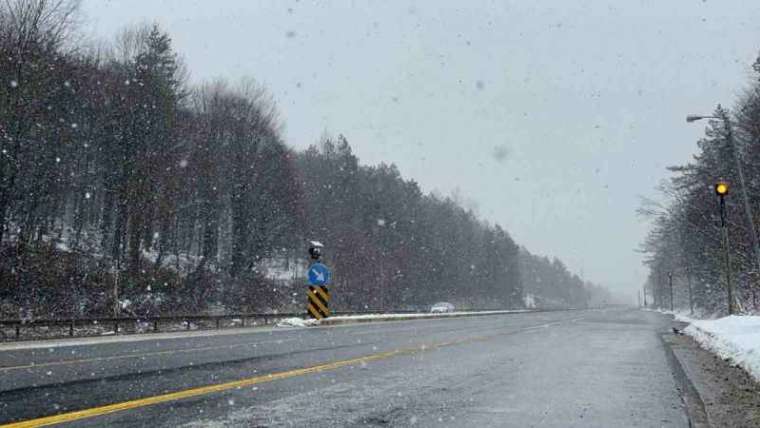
<point x="145" y="354"/>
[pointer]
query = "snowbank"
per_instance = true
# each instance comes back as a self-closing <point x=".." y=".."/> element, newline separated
<point x="736" y="338"/>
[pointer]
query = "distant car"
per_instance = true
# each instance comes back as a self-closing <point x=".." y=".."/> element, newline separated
<point x="441" y="308"/>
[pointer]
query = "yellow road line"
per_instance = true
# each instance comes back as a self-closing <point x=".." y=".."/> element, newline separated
<point x="205" y="390"/>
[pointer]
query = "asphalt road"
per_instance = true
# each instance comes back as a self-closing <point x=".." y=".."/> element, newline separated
<point x="603" y="368"/>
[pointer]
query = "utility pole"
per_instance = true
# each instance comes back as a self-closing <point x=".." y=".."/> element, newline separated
<point x="645" y="296"/>
<point x="687" y="267"/>
<point x="115" y="268"/>
<point x="670" y="283"/>
<point x="691" y="298"/>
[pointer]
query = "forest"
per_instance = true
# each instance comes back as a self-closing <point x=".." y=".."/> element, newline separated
<point x="127" y="189"/>
<point x="690" y="264"/>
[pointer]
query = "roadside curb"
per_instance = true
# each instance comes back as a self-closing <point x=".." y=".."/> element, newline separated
<point x="692" y="400"/>
<point x="715" y="391"/>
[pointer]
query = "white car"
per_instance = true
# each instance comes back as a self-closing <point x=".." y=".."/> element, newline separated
<point x="441" y="308"/>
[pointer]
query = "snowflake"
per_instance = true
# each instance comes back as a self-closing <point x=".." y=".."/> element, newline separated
<point x="14" y="84"/>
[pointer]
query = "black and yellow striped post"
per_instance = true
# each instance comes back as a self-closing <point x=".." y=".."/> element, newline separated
<point x="318" y="305"/>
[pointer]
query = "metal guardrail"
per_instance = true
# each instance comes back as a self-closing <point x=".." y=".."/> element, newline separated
<point x="17" y="329"/>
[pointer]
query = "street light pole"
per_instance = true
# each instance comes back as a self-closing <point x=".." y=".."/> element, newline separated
<point x="740" y="171"/>
<point x="721" y="189"/>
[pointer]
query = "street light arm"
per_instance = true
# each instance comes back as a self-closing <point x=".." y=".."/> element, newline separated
<point x="695" y="117"/>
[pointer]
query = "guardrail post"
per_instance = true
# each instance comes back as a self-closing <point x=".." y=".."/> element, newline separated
<point x="18" y="331"/>
<point x="71" y="329"/>
<point x="155" y="325"/>
<point x="187" y="324"/>
<point x="242" y="321"/>
<point x="217" y="323"/>
<point x="116" y="327"/>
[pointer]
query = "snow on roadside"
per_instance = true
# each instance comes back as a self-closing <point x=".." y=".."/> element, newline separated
<point x="736" y="338"/>
<point x="295" y="322"/>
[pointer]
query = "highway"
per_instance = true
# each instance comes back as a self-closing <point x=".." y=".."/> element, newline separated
<point x="595" y="368"/>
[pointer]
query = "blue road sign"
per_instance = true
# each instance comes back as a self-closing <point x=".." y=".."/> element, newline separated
<point x="319" y="274"/>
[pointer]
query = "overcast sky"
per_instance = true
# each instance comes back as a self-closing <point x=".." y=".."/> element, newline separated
<point x="550" y="118"/>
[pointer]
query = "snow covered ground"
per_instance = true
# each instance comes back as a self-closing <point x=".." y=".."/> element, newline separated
<point x="736" y="338"/>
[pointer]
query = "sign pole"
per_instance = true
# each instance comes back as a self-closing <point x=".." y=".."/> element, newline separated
<point x="317" y="305"/>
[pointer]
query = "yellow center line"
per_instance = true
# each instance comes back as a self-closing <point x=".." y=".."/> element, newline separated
<point x="209" y="389"/>
<point x="145" y="354"/>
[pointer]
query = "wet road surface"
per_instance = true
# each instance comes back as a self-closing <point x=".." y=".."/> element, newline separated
<point x="596" y="368"/>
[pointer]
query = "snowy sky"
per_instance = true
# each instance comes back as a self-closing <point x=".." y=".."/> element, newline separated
<point x="549" y="117"/>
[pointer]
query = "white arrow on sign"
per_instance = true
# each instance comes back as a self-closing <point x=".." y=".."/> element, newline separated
<point x="320" y="276"/>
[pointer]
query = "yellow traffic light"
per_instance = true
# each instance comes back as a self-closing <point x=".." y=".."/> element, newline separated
<point x="721" y="188"/>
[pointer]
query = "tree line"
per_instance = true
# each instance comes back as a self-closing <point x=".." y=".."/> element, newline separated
<point x="685" y="248"/>
<point x="125" y="189"/>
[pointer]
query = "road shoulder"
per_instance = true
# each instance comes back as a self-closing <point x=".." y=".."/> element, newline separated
<point x="715" y="393"/>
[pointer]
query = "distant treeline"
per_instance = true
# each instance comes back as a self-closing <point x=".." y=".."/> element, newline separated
<point x="119" y="178"/>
